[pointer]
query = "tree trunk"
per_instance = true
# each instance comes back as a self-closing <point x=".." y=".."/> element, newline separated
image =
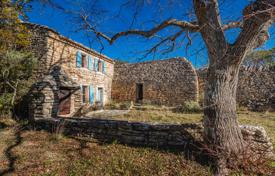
<point x="221" y="128"/>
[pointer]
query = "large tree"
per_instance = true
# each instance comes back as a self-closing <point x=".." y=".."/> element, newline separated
<point x="221" y="128"/>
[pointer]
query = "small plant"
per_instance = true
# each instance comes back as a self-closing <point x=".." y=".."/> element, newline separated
<point x="121" y="106"/>
<point x="125" y="105"/>
<point x="189" y="107"/>
<point x="111" y="105"/>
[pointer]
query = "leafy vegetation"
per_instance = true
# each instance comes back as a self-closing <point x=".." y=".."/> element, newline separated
<point x="189" y="107"/>
<point x="17" y="62"/>
<point x="121" y="106"/>
<point x="261" y="57"/>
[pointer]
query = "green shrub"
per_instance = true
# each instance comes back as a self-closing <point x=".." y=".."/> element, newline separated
<point x="5" y="103"/>
<point x="121" y="106"/>
<point x="125" y="105"/>
<point x="189" y="107"/>
<point x="111" y="105"/>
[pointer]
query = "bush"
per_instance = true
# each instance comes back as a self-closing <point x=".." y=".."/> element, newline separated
<point x="111" y="105"/>
<point x="125" y="105"/>
<point x="189" y="107"/>
<point x="121" y="106"/>
<point x="5" y="104"/>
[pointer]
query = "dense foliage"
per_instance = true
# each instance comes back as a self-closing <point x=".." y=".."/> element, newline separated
<point x="261" y="57"/>
<point x="17" y="62"/>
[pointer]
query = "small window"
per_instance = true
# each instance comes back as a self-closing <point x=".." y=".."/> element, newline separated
<point x="84" y="61"/>
<point x="85" y="94"/>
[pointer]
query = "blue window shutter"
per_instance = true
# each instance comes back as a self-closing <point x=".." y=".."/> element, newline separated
<point x="97" y="95"/>
<point x="91" y="93"/>
<point x="103" y="67"/>
<point x="90" y="63"/>
<point x="96" y="64"/>
<point x="78" y="59"/>
<point x="81" y="91"/>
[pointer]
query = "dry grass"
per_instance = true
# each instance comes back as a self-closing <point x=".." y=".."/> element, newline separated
<point x="41" y="153"/>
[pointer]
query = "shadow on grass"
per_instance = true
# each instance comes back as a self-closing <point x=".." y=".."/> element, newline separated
<point x="96" y="130"/>
<point x="8" y="152"/>
<point x="3" y="125"/>
<point x="193" y="151"/>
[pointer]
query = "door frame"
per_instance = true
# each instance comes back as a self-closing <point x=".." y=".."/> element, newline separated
<point x="139" y="92"/>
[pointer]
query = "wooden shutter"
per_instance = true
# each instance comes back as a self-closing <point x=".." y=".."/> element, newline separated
<point x="103" y="67"/>
<point x="78" y="59"/>
<point x="91" y="93"/>
<point x="90" y="63"/>
<point x="96" y="64"/>
<point x="81" y="93"/>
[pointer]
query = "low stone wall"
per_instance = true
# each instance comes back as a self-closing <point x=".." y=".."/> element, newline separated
<point x="144" y="134"/>
<point x="125" y="132"/>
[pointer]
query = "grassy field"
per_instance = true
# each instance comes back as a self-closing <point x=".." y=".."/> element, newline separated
<point x="27" y="152"/>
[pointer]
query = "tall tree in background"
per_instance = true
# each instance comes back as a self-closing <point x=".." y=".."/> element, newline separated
<point x="221" y="128"/>
<point x="16" y="60"/>
<point x="261" y="58"/>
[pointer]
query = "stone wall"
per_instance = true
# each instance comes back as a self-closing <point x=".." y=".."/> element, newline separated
<point x="144" y="134"/>
<point x="54" y="50"/>
<point x="169" y="82"/>
<point x="256" y="87"/>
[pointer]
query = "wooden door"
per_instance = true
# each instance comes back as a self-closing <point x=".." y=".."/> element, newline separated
<point x="139" y="92"/>
<point x="64" y="102"/>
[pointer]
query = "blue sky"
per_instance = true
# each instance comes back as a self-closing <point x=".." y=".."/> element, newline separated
<point x="132" y="48"/>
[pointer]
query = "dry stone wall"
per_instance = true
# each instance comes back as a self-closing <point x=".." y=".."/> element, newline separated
<point x="169" y="82"/>
<point x="256" y="87"/>
<point x="145" y="134"/>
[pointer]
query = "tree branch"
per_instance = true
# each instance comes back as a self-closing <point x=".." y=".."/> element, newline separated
<point x="208" y="16"/>
<point x="234" y="24"/>
<point x="258" y="17"/>
<point x="184" y="25"/>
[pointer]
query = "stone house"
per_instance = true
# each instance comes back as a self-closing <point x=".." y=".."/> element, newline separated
<point x="164" y="82"/>
<point x="69" y="76"/>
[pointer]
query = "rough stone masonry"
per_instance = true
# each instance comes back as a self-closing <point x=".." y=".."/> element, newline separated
<point x="256" y="87"/>
<point x="146" y="134"/>
<point x="168" y="82"/>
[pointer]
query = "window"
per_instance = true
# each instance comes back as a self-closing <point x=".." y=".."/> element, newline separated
<point x="100" y="66"/>
<point x="85" y="94"/>
<point x="96" y="64"/>
<point x="103" y="67"/>
<point x="81" y="60"/>
<point x="99" y="95"/>
<point x="84" y="61"/>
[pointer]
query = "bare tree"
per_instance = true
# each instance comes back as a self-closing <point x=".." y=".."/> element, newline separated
<point x="221" y="128"/>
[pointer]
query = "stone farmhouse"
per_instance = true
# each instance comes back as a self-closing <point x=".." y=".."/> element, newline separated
<point x="71" y="76"/>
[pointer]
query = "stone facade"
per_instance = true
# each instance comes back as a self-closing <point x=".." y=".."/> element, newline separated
<point x="168" y="82"/>
<point x="70" y="66"/>
<point x="256" y="87"/>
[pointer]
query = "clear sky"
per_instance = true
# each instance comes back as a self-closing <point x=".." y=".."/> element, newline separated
<point x="105" y="14"/>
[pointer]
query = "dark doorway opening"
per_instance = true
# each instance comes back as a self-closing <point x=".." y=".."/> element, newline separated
<point x="64" y="107"/>
<point x="139" y="92"/>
